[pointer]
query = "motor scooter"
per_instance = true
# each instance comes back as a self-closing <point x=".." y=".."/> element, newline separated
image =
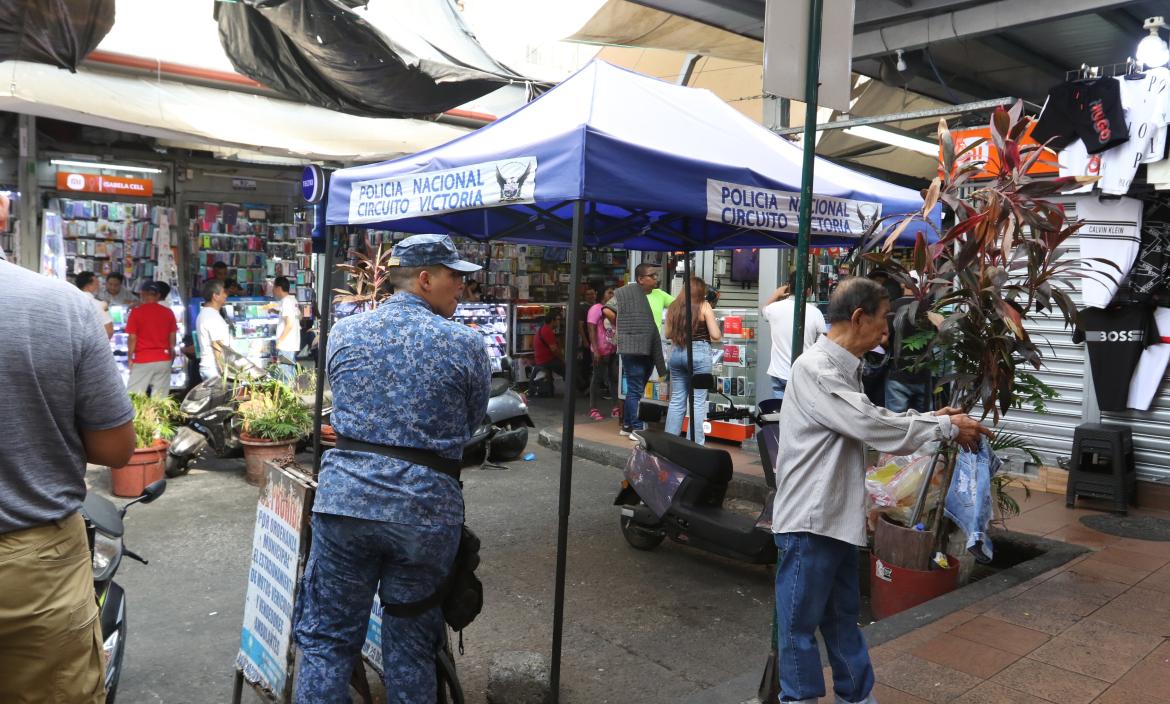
<point x="104" y="527"/>
<point x="676" y="488"/>
<point x="507" y="410"/>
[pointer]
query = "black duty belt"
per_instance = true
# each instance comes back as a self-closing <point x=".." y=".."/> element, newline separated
<point x="426" y="458"/>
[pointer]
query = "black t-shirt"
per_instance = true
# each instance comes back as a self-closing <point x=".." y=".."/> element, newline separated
<point x="1115" y="338"/>
<point x="1089" y="109"/>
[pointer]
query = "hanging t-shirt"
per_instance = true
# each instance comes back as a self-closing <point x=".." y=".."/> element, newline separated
<point x="1148" y="278"/>
<point x="1152" y="365"/>
<point x="1075" y="161"/>
<point x="1111" y="233"/>
<point x="1115" y="338"/>
<point x="1160" y="116"/>
<point x="1089" y="109"/>
<point x="1144" y="104"/>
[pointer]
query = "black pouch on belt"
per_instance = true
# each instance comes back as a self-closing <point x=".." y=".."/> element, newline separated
<point x="460" y="595"/>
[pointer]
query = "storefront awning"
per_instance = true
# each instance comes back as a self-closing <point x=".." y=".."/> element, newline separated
<point x="176" y="111"/>
<point x="624" y="23"/>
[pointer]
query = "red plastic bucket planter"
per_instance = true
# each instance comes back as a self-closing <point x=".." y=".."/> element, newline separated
<point x="146" y="466"/>
<point x="893" y="589"/>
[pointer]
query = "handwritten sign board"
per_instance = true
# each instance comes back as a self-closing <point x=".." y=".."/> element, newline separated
<point x="278" y="551"/>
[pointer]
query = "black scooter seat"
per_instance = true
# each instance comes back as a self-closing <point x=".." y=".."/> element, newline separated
<point x="500" y="385"/>
<point x="712" y="465"/>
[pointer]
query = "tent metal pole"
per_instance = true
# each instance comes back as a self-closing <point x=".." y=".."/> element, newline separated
<point x="322" y="340"/>
<point x="567" y="421"/>
<point x="690" y="380"/>
<point x="811" y="87"/>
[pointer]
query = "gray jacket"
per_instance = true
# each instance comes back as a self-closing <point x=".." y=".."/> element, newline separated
<point x="637" y="332"/>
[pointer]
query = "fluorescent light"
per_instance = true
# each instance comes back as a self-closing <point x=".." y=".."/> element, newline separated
<point x="111" y="167"/>
<point x="893" y="138"/>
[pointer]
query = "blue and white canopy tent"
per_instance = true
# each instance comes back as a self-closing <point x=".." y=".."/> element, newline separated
<point x="612" y="158"/>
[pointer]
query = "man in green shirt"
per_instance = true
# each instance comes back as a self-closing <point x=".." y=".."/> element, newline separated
<point x="659" y="300"/>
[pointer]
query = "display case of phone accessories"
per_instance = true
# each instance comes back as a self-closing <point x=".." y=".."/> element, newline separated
<point x="253" y="328"/>
<point x="734" y="370"/>
<point x="491" y="321"/>
<point x="119" y="343"/>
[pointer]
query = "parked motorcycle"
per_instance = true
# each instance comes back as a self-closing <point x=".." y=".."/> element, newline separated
<point x="212" y="421"/>
<point x="676" y="488"/>
<point x="103" y="524"/>
<point x="507" y="410"/>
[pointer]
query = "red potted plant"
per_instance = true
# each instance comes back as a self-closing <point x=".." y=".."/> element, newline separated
<point x="154" y="420"/>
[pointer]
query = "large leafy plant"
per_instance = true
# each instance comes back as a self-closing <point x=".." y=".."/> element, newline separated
<point x="369" y="279"/>
<point x="154" y="419"/>
<point x="272" y="411"/>
<point x="1001" y="262"/>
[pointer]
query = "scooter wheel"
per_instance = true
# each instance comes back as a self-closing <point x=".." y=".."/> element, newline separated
<point x="177" y="466"/>
<point x="640" y="538"/>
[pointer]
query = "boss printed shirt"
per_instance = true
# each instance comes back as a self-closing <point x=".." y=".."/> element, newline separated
<point x="1115" y="338"/>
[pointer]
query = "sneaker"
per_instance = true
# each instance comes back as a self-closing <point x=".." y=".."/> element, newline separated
<point x="616" y="412"/>
<point x="595" y="414"/>
<point x="623" y="431"/>
<point x="632" y="433"/>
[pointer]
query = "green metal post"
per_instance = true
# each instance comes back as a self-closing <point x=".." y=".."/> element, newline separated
<point x="811" y="90"/>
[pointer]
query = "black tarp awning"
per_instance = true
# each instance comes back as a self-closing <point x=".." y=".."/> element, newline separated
<point x="323" y="53"/>
<point x="56" y="32"/>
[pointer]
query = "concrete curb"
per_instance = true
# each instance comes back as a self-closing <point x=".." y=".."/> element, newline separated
<point x="742" y="487"/>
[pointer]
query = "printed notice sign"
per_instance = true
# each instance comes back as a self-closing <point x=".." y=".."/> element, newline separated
<point x="372" y="648"/>
<point x="272" y="584"/>
<point x="433" y="192"/>
<point x="754" y="208"/>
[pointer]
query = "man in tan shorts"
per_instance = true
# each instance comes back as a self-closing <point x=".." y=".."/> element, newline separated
<point x="64" y="404"/>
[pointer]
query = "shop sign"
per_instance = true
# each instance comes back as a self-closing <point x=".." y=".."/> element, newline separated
<point x="278" y="546"/>
<point x="467" y="187"/>
<point x="96" y="183"/>
<point x="1045" y="166"/>
<point x="244" y="184"/>
<point x="755" y="208"/>
<point x="313" y="183"/>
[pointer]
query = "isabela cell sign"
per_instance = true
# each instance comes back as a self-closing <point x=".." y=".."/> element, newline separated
<point x="96" y="183"/>
<point x="474" y="186"/>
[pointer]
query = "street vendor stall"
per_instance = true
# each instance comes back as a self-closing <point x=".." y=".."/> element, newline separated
<point x="611" y="158"/>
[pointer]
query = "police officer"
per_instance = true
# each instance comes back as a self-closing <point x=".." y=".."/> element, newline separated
<point x="409" y="388"/>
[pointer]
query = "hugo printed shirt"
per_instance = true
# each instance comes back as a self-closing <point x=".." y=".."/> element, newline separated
<point x="402" y="376"/>
<point x="1089" y="109"/>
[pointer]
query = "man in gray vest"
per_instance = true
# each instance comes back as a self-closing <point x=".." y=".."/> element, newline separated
<point x="637" y="310"/>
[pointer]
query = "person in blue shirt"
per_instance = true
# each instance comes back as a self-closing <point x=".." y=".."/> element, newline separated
<point x="405" y="379"/>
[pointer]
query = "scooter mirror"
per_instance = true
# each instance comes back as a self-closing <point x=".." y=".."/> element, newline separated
<point x="704" y="381"/>
<point x="153" y="491"/>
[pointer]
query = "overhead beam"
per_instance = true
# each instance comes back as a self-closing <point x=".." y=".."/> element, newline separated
<point x="870" y="13"/>
<point x="922" y="80"/>
<point x="899" y="117"/>
<point x="971" y="22"/>
<point x="1123" y="22"/>
<point x="1026" y="56"/>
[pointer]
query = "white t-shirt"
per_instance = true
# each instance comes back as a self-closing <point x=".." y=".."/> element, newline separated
<point x="102" y="308"/>
<point x="210" y="327"/>
<point x="1075" y="160"/>
<point x="1160" y="87"/>
<point x="1144" y="101"/>
<point x="1152" y="365"/>
<point x="1112" y="231"/>
<point x="289" y="309"/>
<point x="780" y="316"/>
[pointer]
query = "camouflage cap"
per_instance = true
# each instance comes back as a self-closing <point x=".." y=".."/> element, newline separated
<point x="428" y="250"/>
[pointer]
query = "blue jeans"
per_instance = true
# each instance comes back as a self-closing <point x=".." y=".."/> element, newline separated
<point x="287" y="365"/>
<point x="680" y="382"/>
<point x="635" y="371"/>
<point x="348" y="559"/>
<point x="902" y="397"/>
<point x="816" y="587"/>
<point x="778" y="386"/>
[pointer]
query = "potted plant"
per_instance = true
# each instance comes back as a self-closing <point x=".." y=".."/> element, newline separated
<point x="1000" y="261"/>
<point x="273" y="420"/>
<point x="154" y="426"/>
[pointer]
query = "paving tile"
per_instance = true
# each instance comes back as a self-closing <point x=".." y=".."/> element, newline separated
<point x="1134" y="618"/>
<point x="1158" y="581"/>
<point x="1123" y="574"/>
<point x="1148" y="681"/>
<point x="1078" y="534"/>
<point x="1130" y="558"/>
<point x="1047" y="613"/>
<point x="1096" y="648"/>
<point x="992" y="693"/>
<point x="925" y="679"/>
<point x="1001" y="634"/>
<point x="1149" y="547"/>
<point x="1073" y="585"/>
<point x="889" y="695"/>
<point x="964" y="655"/>
<point x="1051" y="683"/>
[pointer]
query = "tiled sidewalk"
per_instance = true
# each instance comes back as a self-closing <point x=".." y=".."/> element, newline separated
<point x="1095" y="630"/>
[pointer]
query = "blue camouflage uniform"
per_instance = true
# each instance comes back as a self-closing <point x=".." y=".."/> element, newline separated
<point x="401" y="376"/>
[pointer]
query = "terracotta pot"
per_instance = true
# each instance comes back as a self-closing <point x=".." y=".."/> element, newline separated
<point x="257" y="453"/>
<point x="146" y="466"/>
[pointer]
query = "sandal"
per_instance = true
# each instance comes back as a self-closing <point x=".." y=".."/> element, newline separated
<point x="617" y="412"/>
<point x="595" y="414"/>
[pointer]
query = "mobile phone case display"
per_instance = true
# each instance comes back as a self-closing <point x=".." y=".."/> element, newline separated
<point x="235" y="236"/>
<point x="108" y="238"/>
<point x="9" y="228"/>
<point x="53" y="262"/>
<point x="289" y="250"/>
<point x="253" y="328"/>
<point x="491" y="321"/>
<point x="527" y="319"/>
<point x="119" y="343"/>
<point x="735" y="370"/>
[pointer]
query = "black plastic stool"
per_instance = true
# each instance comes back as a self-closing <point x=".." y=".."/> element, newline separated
<point x="1102" y="465"/>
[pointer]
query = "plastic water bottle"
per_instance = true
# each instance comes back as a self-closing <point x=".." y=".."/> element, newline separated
<point x="529" y="457"/>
